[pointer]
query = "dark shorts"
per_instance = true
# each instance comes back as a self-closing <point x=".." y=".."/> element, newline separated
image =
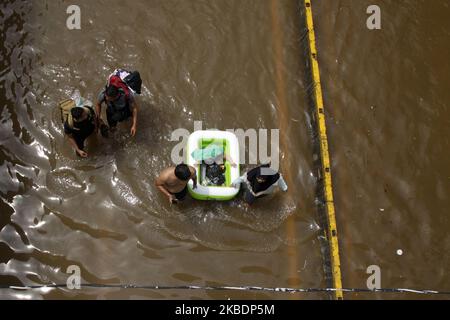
<point x="115" y="117"/>
<point x="182" y="194"/>
<point x="250" y="198"/>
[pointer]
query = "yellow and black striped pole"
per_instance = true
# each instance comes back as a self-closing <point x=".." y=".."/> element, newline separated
<point x="332" y="234"/>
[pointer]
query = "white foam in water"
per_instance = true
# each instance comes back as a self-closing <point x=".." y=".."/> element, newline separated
<point x="64" y="182"/>
<point x="126" y="193"/>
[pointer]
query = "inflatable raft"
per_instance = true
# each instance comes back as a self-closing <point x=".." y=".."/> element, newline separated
<point x="223" y="147"/>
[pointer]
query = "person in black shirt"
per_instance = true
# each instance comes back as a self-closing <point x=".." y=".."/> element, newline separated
<point x="83" y="126"/>
<point x="259" y="182"/>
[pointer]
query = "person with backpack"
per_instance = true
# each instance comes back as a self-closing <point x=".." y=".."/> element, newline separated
<point x="119" y="100"/>
<point x="79" y="122"/>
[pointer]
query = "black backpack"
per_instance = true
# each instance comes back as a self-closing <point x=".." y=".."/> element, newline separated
<point x="134" y="81"/>
<point x="215" y="174"/>
<point x="126" y="80"/>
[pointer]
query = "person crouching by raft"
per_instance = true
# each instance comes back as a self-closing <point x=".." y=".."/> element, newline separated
<point x="260" y="183"/>
<point x="83" y="125"/>
<point x="120" y="106"/>
<point x="173" y="182"/>
<point x="78" y="118"/>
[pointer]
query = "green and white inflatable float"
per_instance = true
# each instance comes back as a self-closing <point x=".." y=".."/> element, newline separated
<point x="207" y="142"/>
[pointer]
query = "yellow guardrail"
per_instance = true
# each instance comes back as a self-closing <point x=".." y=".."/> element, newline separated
<point x="325" y="156"/>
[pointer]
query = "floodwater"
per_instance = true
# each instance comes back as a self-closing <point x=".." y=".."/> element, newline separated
<point x="387" y="97"/>
<point x="230" y="64"/>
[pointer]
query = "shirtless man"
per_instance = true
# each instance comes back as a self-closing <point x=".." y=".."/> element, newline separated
<point x="173" y="181"/>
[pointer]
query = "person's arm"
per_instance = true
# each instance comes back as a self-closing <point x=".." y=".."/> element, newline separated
<point x="75" y="146"/>
<point x="282" y="184"/>
<point x="239" y="180"/>
<point x="161" y="186"/>
<point x="194" y="178"/>
<point x="135" y="112"/>
<point x="228" y="158"/>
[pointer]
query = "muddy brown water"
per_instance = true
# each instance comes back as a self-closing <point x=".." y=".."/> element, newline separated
<point x="230" y="64"/>
<point x="387" y="96"/>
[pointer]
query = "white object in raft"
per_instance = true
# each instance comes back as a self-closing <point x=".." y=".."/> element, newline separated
<point x="230" y="143"/>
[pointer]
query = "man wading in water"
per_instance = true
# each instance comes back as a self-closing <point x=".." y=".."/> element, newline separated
<point x="120" y="106"/>
<point x="173" y="181"/>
